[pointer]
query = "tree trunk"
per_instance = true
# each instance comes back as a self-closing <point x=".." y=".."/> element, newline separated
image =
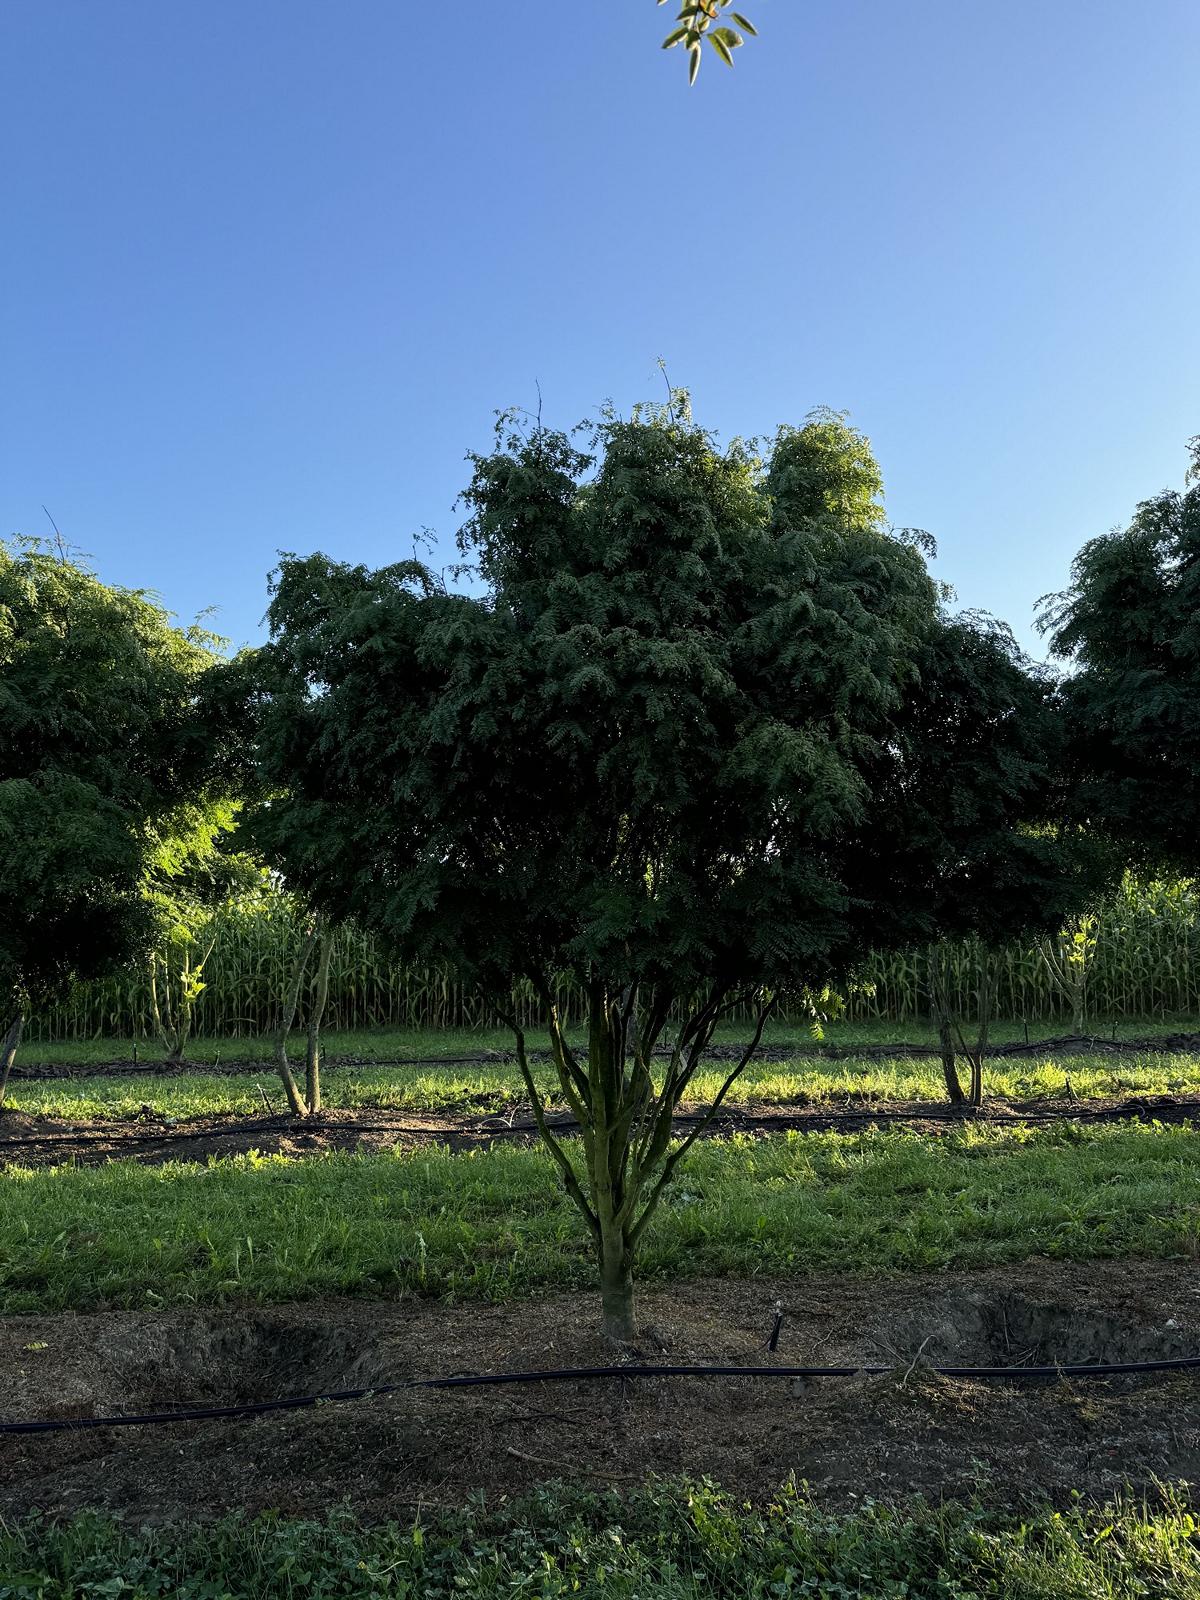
<point x="8" y="1052"/>
<point x="987" y="998"/>
<point x="312" y="1062"/>
<point x="166" y="1034"/>
<point x="291" y="1002"/>
<point x="941" y="1010"/>
<point x="630" y="1148"/>
<point x="954" y="1088"/>
<point x="617" y="1319"/>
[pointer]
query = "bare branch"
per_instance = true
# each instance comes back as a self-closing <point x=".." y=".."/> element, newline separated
<point x="705" y="1121"/>
<point x="570" y="1181"/>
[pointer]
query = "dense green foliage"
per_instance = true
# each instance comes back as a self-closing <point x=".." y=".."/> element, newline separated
<point x="669" y="1541"/>
<point x="494" y="1224"/>
<point x="1130" y="625"/>
<point x="101" y="756"/>
<point x="639" y="754"/>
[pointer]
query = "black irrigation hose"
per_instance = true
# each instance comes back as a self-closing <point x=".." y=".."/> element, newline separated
<point x="782" y="1122"/>
<point x="1076" y="1043"/>
<point x="477" y="1380"/>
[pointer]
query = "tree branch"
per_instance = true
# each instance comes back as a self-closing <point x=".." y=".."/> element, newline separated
<point x="570" y="1181"/>
<point x="705" y="1121"/>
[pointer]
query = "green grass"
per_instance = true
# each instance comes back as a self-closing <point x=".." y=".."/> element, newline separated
<point x="671" y="1541"/>
<point x="379" y="1044"/>
<point x="496" y="1224"/>
<point x="450" y="1087"/>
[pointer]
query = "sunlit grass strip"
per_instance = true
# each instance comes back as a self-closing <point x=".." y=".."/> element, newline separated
<point x="671" y="1540"/>
<point x="497" y="1224"/>
<point x="463" y="1089"/>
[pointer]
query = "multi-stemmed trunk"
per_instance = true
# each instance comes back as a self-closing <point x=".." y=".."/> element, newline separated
<point x="308" y="1103"/>
<point x="625" y="1114"/>
<point x="1068" y="962"/>
<point x="174" y="1012"/>
<point x="8" y="1052"/>
<point x="949" y="1028"/>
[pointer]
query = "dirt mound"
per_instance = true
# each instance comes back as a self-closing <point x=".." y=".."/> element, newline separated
<point x="888" y="1436"/>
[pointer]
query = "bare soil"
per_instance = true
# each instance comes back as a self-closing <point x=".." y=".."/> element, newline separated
<point x="908" y="1432"/>
<point x="152" y="1139"/>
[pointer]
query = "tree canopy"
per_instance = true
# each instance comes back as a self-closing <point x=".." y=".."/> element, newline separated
<point x="102" y="752"/>
<point x="1129" y="624"/>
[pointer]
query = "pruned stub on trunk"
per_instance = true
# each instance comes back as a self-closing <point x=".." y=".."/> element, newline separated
<point x="624" y="1093"/>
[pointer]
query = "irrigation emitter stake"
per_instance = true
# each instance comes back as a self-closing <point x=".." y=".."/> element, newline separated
<point x="478" y="1380"/>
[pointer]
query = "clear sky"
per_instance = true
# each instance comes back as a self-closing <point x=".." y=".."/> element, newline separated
<point x="269" y="266"/>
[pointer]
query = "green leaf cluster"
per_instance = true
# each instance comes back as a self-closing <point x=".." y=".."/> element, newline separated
<point x="696" y="24"/>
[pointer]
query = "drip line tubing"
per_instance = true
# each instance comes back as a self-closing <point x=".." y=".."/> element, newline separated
<point x="476" y="1380"/>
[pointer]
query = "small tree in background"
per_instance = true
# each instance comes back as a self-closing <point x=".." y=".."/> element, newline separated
<point x="194" y="873"/>
<point x="231" y="709"/>
<point x="1130" y="626"/>
<point x="101" y="746"/>
<point x="315" y="950"/>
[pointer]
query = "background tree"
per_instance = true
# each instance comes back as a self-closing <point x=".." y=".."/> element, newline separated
<point x="195" y="871"/>
<point x="1130" y="625"/>
<point x="100" y="746"/>
<point x="968" y="820"/>
<point x="230" y="712"/>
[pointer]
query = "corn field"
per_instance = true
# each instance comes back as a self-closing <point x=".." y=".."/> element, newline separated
<point x="1144" y="963"/>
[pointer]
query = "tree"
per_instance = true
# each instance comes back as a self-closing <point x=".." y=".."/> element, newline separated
<point x="695" y="25"/>
<point x="316" y="936"/>
<point x="1130" y="625"/>
<point x="636" y="757"/>
<point x="968" y="819"/>
<point x="643" y="755"/>
<point x="101" y="745"/>
<point x="194" y="872"/>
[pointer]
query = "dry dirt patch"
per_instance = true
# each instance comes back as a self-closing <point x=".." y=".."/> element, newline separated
<point x="882" y="1436"/>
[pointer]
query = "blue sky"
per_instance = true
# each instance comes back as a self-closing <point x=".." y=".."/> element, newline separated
<point x="270" y="265"/>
